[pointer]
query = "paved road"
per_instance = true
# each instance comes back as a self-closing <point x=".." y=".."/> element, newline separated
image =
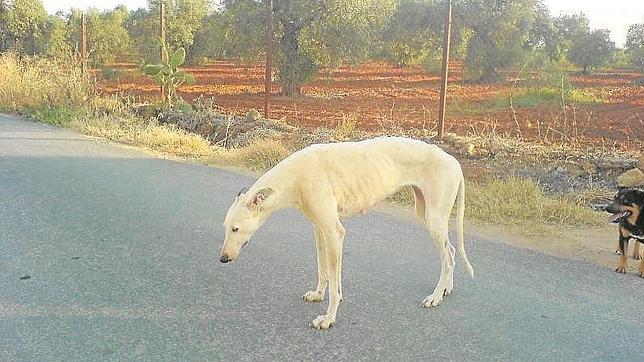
<point x="122" y="252"/>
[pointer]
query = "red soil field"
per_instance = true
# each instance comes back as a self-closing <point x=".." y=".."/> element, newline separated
<point x="381" y="96"/>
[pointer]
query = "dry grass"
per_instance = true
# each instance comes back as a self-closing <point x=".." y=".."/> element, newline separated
<point x="258" y="156"/>
<point x="522" y="203"/>
<point x="518" y="203"/>
<point x="151" y="135"/>
<point x="345" y="128"/>
<point x="39" y="83"/>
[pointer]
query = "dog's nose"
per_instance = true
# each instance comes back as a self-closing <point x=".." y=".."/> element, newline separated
<point x="224" y="259"/>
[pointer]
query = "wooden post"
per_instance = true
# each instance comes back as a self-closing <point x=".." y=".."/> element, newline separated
<point x="162" y="36"/>
<point x="83" y="43"/>
<point x="441" y="105"/>
<point x="269" y="59"/>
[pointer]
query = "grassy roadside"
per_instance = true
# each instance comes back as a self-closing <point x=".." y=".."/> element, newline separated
<point x="57" y="93"/>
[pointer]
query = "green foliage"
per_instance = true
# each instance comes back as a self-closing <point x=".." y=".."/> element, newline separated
<point x="567" y="29"/>
<point x="536" y="97"/>
<point x="58" y="115"/>
<point x="635" y="45"/>
<point x="21" y="25"/>
<point x="350" y="31"/>
<point x="491" y="36"/>
<point x="238" y="32"/>
<point x="107" y="38"/>
<point x="592" y="49"/>
<point x="183" y="19"/>
<point x="55" y="40"/>
<point x="167" y="72"/>
<point x="414" y="32"/>
<point x="295" y="64"/>
<point x="501" y="35"/>
<point x="323" y="32"/>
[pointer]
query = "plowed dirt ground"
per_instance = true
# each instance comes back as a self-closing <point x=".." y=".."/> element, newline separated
<point x="379" y="95"/>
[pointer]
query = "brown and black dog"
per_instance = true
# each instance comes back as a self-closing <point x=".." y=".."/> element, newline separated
<point x="627" y="212"/>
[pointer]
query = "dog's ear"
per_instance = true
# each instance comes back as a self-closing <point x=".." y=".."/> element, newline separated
<point x="256" y="201"/>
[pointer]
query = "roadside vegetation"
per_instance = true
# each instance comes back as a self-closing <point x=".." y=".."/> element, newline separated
<point x="509" y="42"/>
<point x="51" y="93"/>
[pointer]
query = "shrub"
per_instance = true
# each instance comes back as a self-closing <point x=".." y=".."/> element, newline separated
<point x="38" y="83"/>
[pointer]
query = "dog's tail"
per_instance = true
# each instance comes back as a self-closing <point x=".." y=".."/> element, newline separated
<point x="460" y="216"/>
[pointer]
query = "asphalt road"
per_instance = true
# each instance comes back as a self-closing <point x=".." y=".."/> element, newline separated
<point x="121" y="251"/>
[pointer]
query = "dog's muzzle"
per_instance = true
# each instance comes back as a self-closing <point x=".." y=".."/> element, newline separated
<point x="224" y="259"/>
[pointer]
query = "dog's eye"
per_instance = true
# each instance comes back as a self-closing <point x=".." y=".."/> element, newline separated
<point x="235" y="229"/>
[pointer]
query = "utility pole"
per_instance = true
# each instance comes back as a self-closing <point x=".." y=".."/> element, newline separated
<point x="269" y="59"/>
<point x="162" y="36"/>
<point x="83" y="43"/>
<point x="441" y="105"/>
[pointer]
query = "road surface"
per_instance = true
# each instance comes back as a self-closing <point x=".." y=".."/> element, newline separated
<point x="109" y="254"/>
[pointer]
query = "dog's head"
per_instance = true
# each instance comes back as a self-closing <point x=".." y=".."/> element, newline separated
<point x="244" y="217"/>
<point x="626" y="205"/>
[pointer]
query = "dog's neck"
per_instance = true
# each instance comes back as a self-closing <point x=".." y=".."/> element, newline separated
<point x="283" y="195"/>
<point x="281" y="198"/>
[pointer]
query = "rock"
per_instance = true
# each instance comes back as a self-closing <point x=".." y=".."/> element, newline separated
<point x="598" y="207"/>
<point x="588" y="167"/>
<point x="253" y="115"/>
<point x="145" y="111"/>
<point x="319" y="135"/>
<point x="631" y="178"/>
<point x="467" y="148"/>
<point x="246" y="138"/>
<point x="574" y="170"/>
<point x="617" y="163"/>
<point x="450" y="138"/>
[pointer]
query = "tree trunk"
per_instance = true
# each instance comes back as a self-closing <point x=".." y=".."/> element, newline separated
<point x="289" y="77"/>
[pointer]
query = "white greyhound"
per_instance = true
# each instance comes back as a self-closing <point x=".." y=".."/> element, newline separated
<point x="329" y="181"/>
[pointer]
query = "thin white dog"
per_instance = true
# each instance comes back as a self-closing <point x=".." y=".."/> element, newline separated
<point x="329" y="181"/>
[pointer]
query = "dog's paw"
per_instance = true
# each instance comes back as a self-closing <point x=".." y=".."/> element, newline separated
<point x="323" y="322"/>
<point x="637" y="256"/>
<point x="433" y="300"/>
<point x="313" y="296"/>
<point x="621" y="269"/>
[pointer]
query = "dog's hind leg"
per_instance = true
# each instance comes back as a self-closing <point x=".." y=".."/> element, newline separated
<point x="317" y="295"/>
<point x="419" y="202"/>
<point x="341" y="233"/>
<point x="438" y="229"/>
<point x="438" y="206"/>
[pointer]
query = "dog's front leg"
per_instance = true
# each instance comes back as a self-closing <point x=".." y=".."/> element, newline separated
<point x="332" y="247"/>
<point x="636" y="250"/>
<point x="623" y="246"/>
<point x="317" y="295"/>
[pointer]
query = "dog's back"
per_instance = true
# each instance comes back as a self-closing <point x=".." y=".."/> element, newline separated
<point x="364" y="173"/>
